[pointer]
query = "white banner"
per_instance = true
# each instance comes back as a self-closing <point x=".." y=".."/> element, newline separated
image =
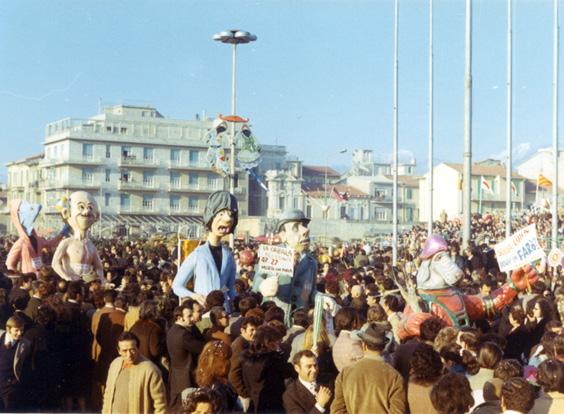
<point x="520" y="249"/>
<point x="275" y="260"/>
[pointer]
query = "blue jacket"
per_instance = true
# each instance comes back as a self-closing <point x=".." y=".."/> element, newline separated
<point x="200" y="264"/>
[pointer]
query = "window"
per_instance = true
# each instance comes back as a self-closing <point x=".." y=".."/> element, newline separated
<point x="380" y="214"/>
<point x="194" y="157"/>
<point x="87" y="176"/>
<point x="106" y="199"/>
<point x="192" y="203"/>
<point x="175" y="155"/>
<point x="148" y="201"/>
<point x="193" y="180"/>
<point x="148" y="178"/>
<point x="108" y="175"/>
<point x="108" y="151"/>
<point x="126" y="152"/>
<point x="148" y="154"/>
<point x="123" y="130"/>
<point x="124" y="177"/>
<point x="175" y="203"/>
<point x="87" y="151"/>
<point x="213" y="182"/>
<point x="124" y="201"/>
<point x="281" y="202"/>
<point x="409" y="193"/>
<point x="175" y="179"/>
<point x="295" y="202"/>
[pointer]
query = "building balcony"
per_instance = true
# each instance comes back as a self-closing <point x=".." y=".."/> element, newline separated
<point x="84" y="160"/>
<point x="137" y="186"/>
<point x="193" y="188"/>
<point x="132" y="161"/>
<point x="194" y="165"/>
<point x="70" y="184"/>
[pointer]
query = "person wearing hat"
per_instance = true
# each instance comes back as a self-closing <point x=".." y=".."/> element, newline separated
<point x="211" y="265"/>
<point x="297" y="291"/>
<point x="371" y="384"/>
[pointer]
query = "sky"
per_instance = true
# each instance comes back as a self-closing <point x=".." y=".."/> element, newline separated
<point x="319" y="78"/>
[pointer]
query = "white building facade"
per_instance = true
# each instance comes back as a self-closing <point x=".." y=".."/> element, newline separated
<point x="144" y="170"/>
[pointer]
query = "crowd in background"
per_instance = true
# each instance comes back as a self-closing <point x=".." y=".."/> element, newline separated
<point x="249" y="359"/>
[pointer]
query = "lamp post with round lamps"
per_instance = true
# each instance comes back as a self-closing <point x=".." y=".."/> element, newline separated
<point x="234" y="38"/>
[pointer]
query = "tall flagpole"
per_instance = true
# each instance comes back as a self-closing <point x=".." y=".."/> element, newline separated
<point x="555" y="55"/>
<point x="395" y="145"/>
<point x="509" y="120"/>
<point x="430" y="161"/>
<point x="467" y="190"/>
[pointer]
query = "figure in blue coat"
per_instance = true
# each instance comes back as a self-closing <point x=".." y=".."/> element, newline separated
<point x="297" y="291"/>
<point x="211" y="265"/>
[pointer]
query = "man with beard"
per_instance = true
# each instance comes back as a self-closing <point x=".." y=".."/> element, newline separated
<point x="211" y="265"/>
<point x="297" y="291"/>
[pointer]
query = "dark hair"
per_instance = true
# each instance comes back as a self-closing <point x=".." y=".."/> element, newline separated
<point x="267" y="339"/>
<point x="517" y="394"/>
<point x="301" y="354"/>
<point x="201" y="395"/>
<point x="426" y="365"/>
<point x="250" y="320"/>
<point x="179" y="311"/>
<point x="452" y="394"/>
<point x="551" y="376"/>
<point x="300" y="318"/>
<point x="545" y="308"/>
<point x="215" y="298"/>
<point x="215" y="315"/>
<point x="430" y="328"/>
<point x="74" y="289"/>
<point x="274" y="313"/>
<point x="347" y="319"/>
<point x="518" y="314"/>
<point x="248" y="302"/>
<point x="392" y="302"/>
<point x="129" y="336"/>
<point x="489" y="355"/>
<point x="148" y="310"/>
<point x="559" y="345"/>
<point x="109" y="296"/>
<point x="508" y="368"/>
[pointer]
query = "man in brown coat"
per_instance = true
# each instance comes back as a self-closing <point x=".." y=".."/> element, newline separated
<point x="370" y="385"/>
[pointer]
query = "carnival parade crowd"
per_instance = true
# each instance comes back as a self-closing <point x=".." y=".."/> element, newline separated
<point x="65" y="343"/>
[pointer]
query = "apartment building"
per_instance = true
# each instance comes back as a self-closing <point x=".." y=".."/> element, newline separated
<point x="146" y="171"/>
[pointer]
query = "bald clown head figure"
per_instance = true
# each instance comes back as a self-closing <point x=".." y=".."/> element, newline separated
<point x="81" y="213"/>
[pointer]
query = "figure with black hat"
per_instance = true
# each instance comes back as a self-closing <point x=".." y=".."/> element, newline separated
<point x="299" y="290"/>
<point x="211" y="265"/>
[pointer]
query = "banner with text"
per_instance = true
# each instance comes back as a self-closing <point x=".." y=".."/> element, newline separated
<point x="518" y="250"/>
<point x="275" y="260"/>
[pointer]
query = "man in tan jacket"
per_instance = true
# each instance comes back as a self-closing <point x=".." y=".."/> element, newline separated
<point x="134" y="383"/>
<point x="370" y="385"/>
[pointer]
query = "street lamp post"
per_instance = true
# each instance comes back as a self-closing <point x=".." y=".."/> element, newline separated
<point x="234" y="38"/>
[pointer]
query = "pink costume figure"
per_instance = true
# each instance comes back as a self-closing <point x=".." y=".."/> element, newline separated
<point x="26" y="251"/>
<point x="435" y="287"/>
<point x="76" y="257"/>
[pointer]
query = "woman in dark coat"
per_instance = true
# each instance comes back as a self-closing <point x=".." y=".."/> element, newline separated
<point x="518" y="336"/>
<point x="265" y="367"/>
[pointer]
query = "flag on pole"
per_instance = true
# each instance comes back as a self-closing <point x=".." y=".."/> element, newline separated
<point x="543" y="181"/>
<point x="338" y="195"/>
<point x="513" y="188"/>
<point x="485" y="185"/>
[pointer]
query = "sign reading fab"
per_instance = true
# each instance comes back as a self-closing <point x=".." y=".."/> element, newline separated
<point x="275" y="260"/>
<point x="520" y="249"/>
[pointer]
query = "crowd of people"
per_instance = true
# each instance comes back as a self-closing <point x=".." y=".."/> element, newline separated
<point x="65" y="343"/>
